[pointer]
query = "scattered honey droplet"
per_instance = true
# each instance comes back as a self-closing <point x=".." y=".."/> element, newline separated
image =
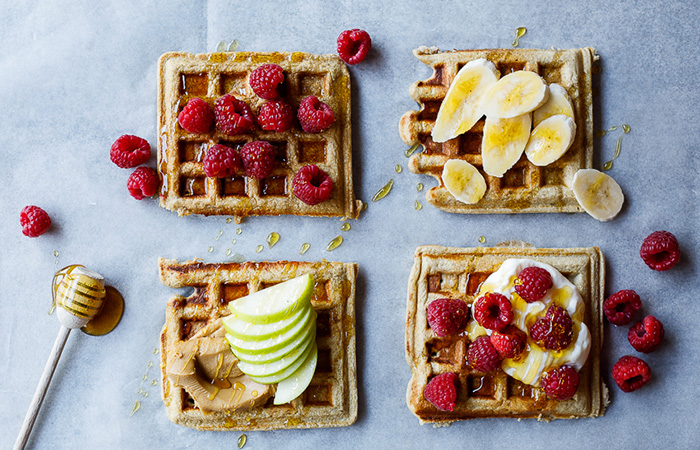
<point x="304" y="248"/>
<point x="412" y="149"/>
<point x="398" y="168"/>
<point x="519" y="32"/>
<point x="335" y="243"/>
<point x="258" y="249"/>
<point x="602" y="133"/>
<point x="239" y="230"/>
<point x="233" y="46"/>
<point x="145" y="394"/>
<point x="626" y="128"/>
<point x="52" y="309"/>
<point x="229" y="220"/>
<point x="345" y="226"/>
<point x="219" y="235"/>
<point x="613" y="128"/>
<point x="242" y="439"/>
<point x="272" y="238"/>
<point x="155" y="350"/>
<point x="150" y="364"/>
<point x="482" y="239"/>
<point x="55" y="253"/>
<point x="233" y="241"/>
<point x="140" y="391"/>
<point x="221" y="47"/>
<point x="210" y="249"/>
<point x="136" y="407"/>
<point x="144" y="378"/>
<point x="419" y="187"/>
<point x="384" y="191"/>
<point x="154" y="382"/>
<point x="418" y="206"/>
<point x="228" y="252"/>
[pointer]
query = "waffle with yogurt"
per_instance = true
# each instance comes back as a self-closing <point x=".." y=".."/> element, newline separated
<point x="331" y="398"/>
<point x="187" y="190"/>
<point x="458" y="272"/>
<point x="525" y="188"/>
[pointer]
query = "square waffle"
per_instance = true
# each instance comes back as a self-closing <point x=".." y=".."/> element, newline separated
<point x="458" y="272"/>
<point x="331" y="398"/>
<point x="187" y="190"/>
<point x="525" y="188"/>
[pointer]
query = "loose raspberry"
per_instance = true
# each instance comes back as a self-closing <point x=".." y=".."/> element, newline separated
<point x="447" y="316"/>
<point x="660" y="250"/>
<point x="493" y="311"/>
<point x="267" y="80"/>
<point x="630" y="373"/>
<point x="646" y="336"/>
<point x="34" y="220"/>
<point x="533" y="283"/>
<point x="560" y="383"/>
<point x="621" y="306"/>
<point x="259" y="159"/>
<point x="353" y="45"/>
<point x="509" y="342"/>
<point x="482" y="356"/>
<point x="196" y="116"/>
<point x="312" y="185"/>
<point x="276" y="116"/>
<point x="143" y="182"/>
<point x="441" y="391"/>
<point x="554" y="331"/>
<point x="314" y="115"/>
<point x="129" y="151"/>
<point x="233" y="116"/>
<point x="221" y="161"/>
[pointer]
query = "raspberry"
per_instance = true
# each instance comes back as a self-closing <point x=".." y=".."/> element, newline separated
<point x="312" y="185"/>
<point x="441" y="391"/>
<point x="266" y="81"/>
<point x="646" y="336"/>
<point x="259" y="159"/>
<point x="533" y="283"/>
<point x="221" y="161"/>
<point x="560" y="383"/>
<point x="482" y="356"/>
<point x="276" y="116"/>
<point x="129" y="151"/>
<point x="630" y="373"/>
<point x="353" y="45"/>
<point x="314" y="115"/>
<point x="493" y="311"/>
<point x="196" y="116"/>
<point x="447" y="316"/>
<point x="660" y="250"/>
<point x="509" y="342"/>
<point x="34" y="220"/>
<point x="143" y="182"/>
<point x="621" y="306"/>
<point x="233" y="116"/>
<point x="554" y="331"/>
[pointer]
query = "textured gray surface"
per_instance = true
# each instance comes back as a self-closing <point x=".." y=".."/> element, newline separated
<point x="75" y="77"/>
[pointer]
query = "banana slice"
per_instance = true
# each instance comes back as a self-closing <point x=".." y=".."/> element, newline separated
<point x="515" y="94"/>
<point x="463" y="181"/>
<point x="503" y="143"/>
<point x="598" y="194"/>
<point x="559" y="102"/>
<point x="550" y="140"/>
<point x="461" y="107"/>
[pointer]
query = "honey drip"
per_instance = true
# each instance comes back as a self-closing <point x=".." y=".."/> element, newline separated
<point x="398" y="168"/>
<point x="259" y="248"/>
<point x="384" y="191"/>
<point x="519" y="32"/>
<point x="233" y="241"/>
<point x="242" y="439"/>
<point x="411" y="150"/>
<point x="233" y="46"/>
<point x="618" y="146"/>
<point x="228" y="252"/>
<point x="272" y="239"/>
<point x="335" y="243"/>
<point x="229" y="220"/>
<point x="418" y="206"/>
<point x="345" y="227"/>
<point x="239" y="230"/>
<point x="419" y="187"/>
<point x="137" y="406"/>
<point x="219" y="235"/>
<point x="210" y="249"/>
<point x="482" y="240"/>
<point x="304" y="248"/>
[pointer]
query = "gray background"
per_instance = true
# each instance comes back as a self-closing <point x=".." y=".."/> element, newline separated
<point x="74" y="77"/>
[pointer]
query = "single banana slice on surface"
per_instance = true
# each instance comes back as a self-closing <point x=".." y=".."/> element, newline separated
<point x="598" y="194"/>
<point x="503" y="143"/>
<point x="550" y="140"/>
<point x="463" y="181"/>
<point x="461" y="108"/>
<point x="558" y="102"/>
<point x="515" y="94"/>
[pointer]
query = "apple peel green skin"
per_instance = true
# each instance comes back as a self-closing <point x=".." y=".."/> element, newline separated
<point x="296" y="333"/>
<point x="276" y="302"/>
<point x="276" y="378"/>
<point x="249" y="332"/>
<point x="293" y="386"/>
<point x="282" y="364"/>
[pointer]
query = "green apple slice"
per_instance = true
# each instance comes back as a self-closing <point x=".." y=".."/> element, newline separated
<point x="276" y="302"/>
<point x="276" y="378"/>
<point x="292" y="387"/>
<point x="247" y="331"/>
<point x="297" y="333"/>
<point x="275" y="367"/>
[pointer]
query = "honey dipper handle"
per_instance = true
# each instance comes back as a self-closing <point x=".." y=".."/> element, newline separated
<point x="42" y="388"/>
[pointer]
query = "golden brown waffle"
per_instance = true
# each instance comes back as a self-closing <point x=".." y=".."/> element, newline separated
<point x="457" y="273"/>
<point x="525" y="188"/>
<point x="331" y="398"/>
<point x="187" y="190"/>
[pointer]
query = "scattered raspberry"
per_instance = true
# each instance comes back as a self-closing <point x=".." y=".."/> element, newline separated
<point x="533" y="283"/>
<point x="509" y="342"/>
<point x="221" y="161"/>
<point x="621" y="306"/>
<point x="143" y="182"/>
<point x="233" y="116"/>
<point x="314" y="115"/>
<point x="34" y="220"/>
<point x="196" y="116"/>
<point x="353" y="45"/>
<point x="560" y="383"/>
<point x="482" y="356"/>
<point x="646" y="336"/>
<point x="266" y="81"/>
<point x="129" y="151"/>
<point x="312" y="185"/>
<point x="630" y="373"/>
<point x="276" y="116"/>
<point x="259" y="159"/>
<point x="493" y="311"/>
<point x="447" y="316"/>
<point x="554" y="331"/>
<point x="441" y="391"/>
<point x="660" y="250"/>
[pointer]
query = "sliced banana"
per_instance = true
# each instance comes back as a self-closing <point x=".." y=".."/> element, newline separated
<point x="515" y="94"/>
<point x="463" y="181"/>
<point x="598" y="194"/>
<point x="558" y="102"/>
<point x="550" y="140"/>
<point x="503" y="143"/>
<point x="461" y="108"/>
